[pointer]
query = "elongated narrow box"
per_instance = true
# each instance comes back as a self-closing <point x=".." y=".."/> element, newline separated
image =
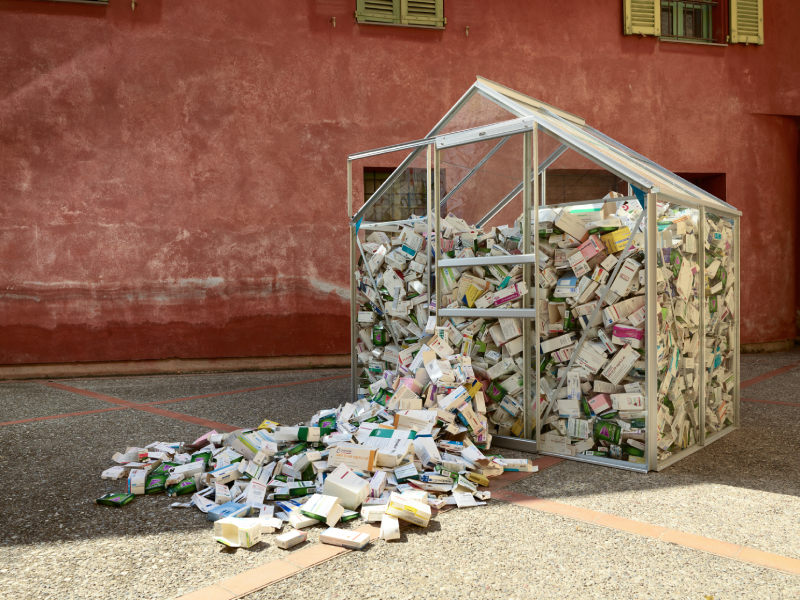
<point x="292" y="538"/>
<point x="354" y="540"/>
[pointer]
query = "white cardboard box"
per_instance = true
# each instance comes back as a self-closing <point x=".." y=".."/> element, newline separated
<point x="345" y="539"/>
<point x="390" y="528"/>
<point x="237" y="533"/>
<point x="323" y="508"/>
<point x="347" y="486"/>
<point x="354" y="456"/>
<point x="292" y="538"/>
<point x="409" y="510"/>
<point x="136" y="481"/>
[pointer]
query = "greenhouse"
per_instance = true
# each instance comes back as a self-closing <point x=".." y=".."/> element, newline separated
<point x="584" y="298"/>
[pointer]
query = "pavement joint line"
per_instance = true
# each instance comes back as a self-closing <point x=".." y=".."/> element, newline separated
<point x="200" y="374"/>
<point x="769" y="375"/>
<point x="744" y="384"/>
<point x="258" y="578"/>
<point x="141" y="404"/>
<point x="693" y="541"/>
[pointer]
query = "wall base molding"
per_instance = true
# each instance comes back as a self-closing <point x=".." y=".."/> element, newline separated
<point x="170" y="366"/>
<point x="766" y="347"/>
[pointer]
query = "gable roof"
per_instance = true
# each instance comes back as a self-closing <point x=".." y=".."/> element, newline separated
<point x="571" y="130"/>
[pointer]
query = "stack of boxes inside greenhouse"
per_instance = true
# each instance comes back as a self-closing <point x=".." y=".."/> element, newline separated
<point x="720" y="338"/>
<point x="468" y="370"/>
<point x="592" y="394"/>
<point x="677" y="280"/>
<point x="593" y="398"/>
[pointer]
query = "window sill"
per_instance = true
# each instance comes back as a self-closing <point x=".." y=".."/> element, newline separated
<point x="694" y="42"/>
<point x="392" y="25"/>
<point x="96" y="2"/>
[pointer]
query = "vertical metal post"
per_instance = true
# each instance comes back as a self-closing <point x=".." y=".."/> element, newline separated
<point x="429" y="246"/>
<point x="701" y="294"/>
<point x="537" y="187"/>
<point x="737" y="307"/>
<point x="544" y="189"/>
<point x="527" y="143"/>
<point x="353" y="289"/>
<point x="437" y="198"/>
<point x="651" y="333"/>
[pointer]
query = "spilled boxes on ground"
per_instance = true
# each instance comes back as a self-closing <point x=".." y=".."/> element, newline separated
<point x="363" y="460"/>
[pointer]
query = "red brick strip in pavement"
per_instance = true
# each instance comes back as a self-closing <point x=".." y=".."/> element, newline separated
<point x="744" y="384"/>
<point x="765" y="376"/>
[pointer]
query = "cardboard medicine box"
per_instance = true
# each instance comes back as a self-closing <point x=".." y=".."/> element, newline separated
<point x="346" y="539"/>
<point x="347" y="486"/>
<point x="409" y="510"/>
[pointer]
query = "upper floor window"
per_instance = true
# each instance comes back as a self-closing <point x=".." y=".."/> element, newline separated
<point x="696" y="21"/>
<point x="413" y="13"/>
<point x="691" y="20"/>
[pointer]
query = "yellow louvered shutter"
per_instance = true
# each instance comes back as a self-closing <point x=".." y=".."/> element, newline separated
<point x="422" y="12"/>
<point x="378" y="11"/>
<point x="747" y="22"/>
<point x="642" y="17"/>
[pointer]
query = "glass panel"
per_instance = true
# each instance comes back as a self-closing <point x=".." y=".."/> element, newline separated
<point x="720" y="334"/>
<point x="573" y="178"/>
<point x="493" y="346"/>
<point x="476" y="112"/>
<point x="476" y="192"/>
<point x="592" y="399"/>
<point x="678" y="342"/>
<point x="481" y="355"/>
<point x="405" y="197"/>
<point x="386" y="327"/>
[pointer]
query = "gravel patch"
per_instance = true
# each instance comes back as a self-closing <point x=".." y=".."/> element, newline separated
<point x="287" y="405"/>
<point x="527" y="555"/>
<point x="743" y="488"/>
<point x="56" y="543"/>
<point x="152" y="389"/>
<point x="28" y="400"/>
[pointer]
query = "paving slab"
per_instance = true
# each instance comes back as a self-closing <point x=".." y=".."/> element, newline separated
<point x="753" y="365"/>
<point x="152" y="389"/>
<point x="287" y="405"/>
<point x="71" y="548"/>
<point x="781" y="388"/>
<point x="56" y="543"/>
<point x="744" y="488"/>
<point x="28" y="400"/>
